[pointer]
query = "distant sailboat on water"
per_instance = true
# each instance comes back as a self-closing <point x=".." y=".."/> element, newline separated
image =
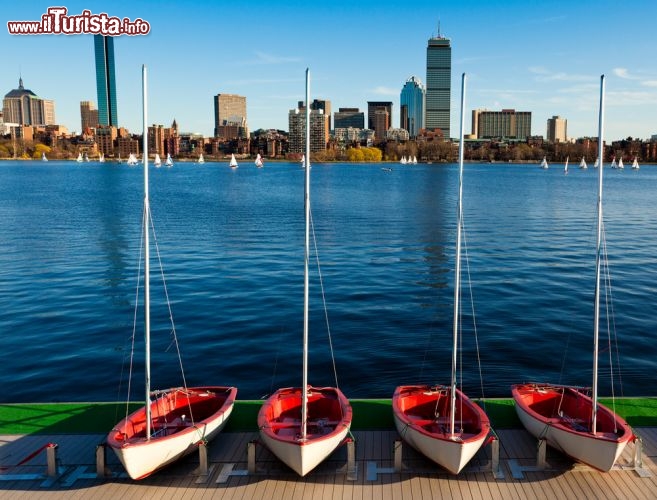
<point x="201" y="159"/>
<point x="79" y="158"/>
<point x="403" y="160"/>
<point x="233" y="161"/>
<point x="101" y="158"/>
<point x="597" y="162"/>
<point x="613" y="163"/>
<point x="544" y="163"/>
<point x="620" y="163"/>
<point x="132" y="160"/>
<point x="635" y="164"/>
<point x="582" y="164"/>
<point x="168" y="162"/>
<point x="157" y="161"/>
<point x="565" y="168"/>
<point x="258" y="161"/>
<point x="44" y="158"/>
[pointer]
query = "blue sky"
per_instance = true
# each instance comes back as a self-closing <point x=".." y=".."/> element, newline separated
<point x="540" y="56"/>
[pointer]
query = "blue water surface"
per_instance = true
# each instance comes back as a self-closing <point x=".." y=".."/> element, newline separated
<point x="231" y="245"/>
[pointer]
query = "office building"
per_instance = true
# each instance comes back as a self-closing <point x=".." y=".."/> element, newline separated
<point x="411" y="101"/>
<point x="230" y="116"/>
<point x="505" y="124"/>
<point x="349" y="118"/>
<point x="439" y="85"/>
<point x="105" y="80"/>
<point x="557" y="129"/>
<point x="88" y="115"/>
<point x="373" y="106"/>
<point x="21" y="106"/>
<point x="319" y="132"/>
<point x="318" y="104"/>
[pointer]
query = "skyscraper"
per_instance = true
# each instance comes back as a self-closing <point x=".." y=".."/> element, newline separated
<point x="349" y="117"/>
<point x="230" y="116"/>
<point x="24" y="107"/>
<point x="439" y="84"/>
<point x="105" y="80"/>
<point x="411" y="101"/>
<point x="557" y="129"/>
<point x="88" y="115"/>
<point x="373" y="107"/>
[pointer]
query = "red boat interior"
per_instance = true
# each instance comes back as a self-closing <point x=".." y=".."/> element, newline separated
<point x="571" y="407"/>
<point x="430" y="409"/>
<point x="283" y="414"/>
<point x="172" y="412"/>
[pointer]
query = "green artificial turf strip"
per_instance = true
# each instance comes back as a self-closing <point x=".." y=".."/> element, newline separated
<point x="368" y="414"/>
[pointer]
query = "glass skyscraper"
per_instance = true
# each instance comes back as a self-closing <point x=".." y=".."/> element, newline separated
<point x="105" y="80"/>
<point x="411" y="101"/>
<point x="439" y="86"/>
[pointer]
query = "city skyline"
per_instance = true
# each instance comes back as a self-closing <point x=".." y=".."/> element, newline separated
<point x="543" y="58"/>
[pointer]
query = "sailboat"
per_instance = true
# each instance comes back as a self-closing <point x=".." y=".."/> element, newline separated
<point x="303" y="425"/>
<point x="635" y="164"/>
<point x="258" y="161"/>
<point x="597" y="162"/>
<point x="565" y="168"/>
<point x="43" y="157"/>
<point x="233" y="161"/>
<point x="566" y="416"/>
<point x="620" y="164"/>
<point x="157" y="161"/>
<point x="101" y="158"/>
<point x="544" y="163"/>
<point x="79" y="158"/>
<point x="168" y="162"/>
<point x="132" y="159"/>
<point x="441" y="421"/>
<point x="172" y="424"/>
<point x="403" y="160"/>
<point x="582" y="164"/>
<point x="201" y="159"/>
<point x="613" y="163"/>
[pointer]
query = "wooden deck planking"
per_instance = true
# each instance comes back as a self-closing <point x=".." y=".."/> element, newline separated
<point x="423" y="479"/>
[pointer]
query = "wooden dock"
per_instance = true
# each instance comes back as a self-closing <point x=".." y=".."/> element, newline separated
<point x="380" y="468"/>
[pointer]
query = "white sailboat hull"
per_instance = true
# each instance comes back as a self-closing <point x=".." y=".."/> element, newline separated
<point x="329" y="420"/>
<point x="414" y="409"/>
<point x="450" y="454"/>
<point x="171" y="440"/>
<point x="303" y="457"/>
<point x="567" y="430"/>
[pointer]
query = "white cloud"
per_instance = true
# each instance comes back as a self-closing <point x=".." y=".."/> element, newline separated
<point x="381" y="90"/>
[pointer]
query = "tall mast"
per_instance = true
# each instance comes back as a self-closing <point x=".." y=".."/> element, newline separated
<point x="457" y="266"/>
<point x="147" y="264"/>
<point x="596" y="316"/>
<point x="304" y="403"/>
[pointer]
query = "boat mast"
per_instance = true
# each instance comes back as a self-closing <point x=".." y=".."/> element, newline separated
<point x="596" y="316"/>
<point x="457" y="266"/>
<point x="147" y="264"/>
<point x="304" y="402"/>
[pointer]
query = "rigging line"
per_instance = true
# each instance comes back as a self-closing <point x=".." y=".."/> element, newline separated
<point x="474" y="317"/>
<point x="321" y="285"/>
<point x="134" y="322"/>
<point x="174" y="340"/>
<point x="611" y="325"/>
<point x="273" y="377"/>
